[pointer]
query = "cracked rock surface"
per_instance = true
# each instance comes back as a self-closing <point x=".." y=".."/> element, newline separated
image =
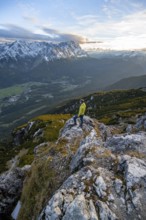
<point x="106" y="181"/>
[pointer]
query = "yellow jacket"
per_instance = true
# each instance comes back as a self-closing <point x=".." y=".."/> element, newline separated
<point x="82" y="109"/>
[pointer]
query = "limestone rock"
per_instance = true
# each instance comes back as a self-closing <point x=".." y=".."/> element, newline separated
<point x="100" y="187"/>
<point x="92" y="211"/>
<point x="134" y="170"/>
<point x="11" y="183"/>
<point x="127" y="142"/>
<point x="77" y="210"/>
<point x="103" y="179"/>
<point x="141" y="123"/>
<point x="69" y="201"/>
<point x="104" y="212"/>
<point x="118" y="185"/>
<point x="105" y="131"/>
<point x="129" y="129"/>
<point x="90" y="142"/>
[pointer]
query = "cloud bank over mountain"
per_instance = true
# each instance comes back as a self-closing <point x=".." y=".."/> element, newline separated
<point x="15" y="32"/>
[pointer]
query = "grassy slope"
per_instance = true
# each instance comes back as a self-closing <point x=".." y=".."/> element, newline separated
<point x="44" y="177"/>
<point x="109" y="107"/>
<point x="129" y="83"/>
<point x="51" y="124"/>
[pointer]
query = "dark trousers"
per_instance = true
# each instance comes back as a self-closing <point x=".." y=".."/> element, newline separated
<point x="81" y="119"/>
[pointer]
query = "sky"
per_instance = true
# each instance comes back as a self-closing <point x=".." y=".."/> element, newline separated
<point x="107" y="24"/>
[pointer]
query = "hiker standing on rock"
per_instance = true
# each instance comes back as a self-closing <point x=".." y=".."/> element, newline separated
<point x="81" y="113"/>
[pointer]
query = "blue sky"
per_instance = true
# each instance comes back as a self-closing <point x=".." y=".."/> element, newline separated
<point x="110" y="23"/>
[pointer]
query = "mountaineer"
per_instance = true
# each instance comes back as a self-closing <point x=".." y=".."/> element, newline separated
<point x="81" y="113"/>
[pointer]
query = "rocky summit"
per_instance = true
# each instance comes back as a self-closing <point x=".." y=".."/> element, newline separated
<point x="94" y="173"/>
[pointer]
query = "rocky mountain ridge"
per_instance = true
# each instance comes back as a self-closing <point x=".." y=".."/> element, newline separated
<point x="103" y="173"/>
<point x="105" y="184"/>
<point x="43" y="50"/>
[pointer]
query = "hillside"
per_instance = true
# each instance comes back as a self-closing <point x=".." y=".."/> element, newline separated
<point x="110" y="107"/>
<point x="129" y="83"/>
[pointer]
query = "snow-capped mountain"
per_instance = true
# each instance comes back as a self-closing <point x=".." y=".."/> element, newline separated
<point x="44" y="50"/>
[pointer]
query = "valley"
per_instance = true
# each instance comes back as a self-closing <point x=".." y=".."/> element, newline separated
<point x="38" y="77"/>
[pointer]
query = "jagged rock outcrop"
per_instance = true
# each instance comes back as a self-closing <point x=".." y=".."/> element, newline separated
<point x="127" y="142"/>
<point x="11" y="183"/>
<point x="106" y="182"/>
<point x="140" y="125"/>
<point x="101" y="174"/>
<point x="20" y="134"/>
<point x="134" y="170"/>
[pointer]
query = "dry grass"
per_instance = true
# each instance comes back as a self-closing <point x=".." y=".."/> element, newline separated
<point x="136" y="154"/>
<point x="38" y="185"/>
<point x="44" y="178"/>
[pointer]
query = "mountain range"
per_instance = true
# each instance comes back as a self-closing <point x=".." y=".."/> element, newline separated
<point x="23" y="62"/>
<point x="45" y="51"/>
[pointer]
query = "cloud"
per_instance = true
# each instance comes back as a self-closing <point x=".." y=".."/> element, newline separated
<point x="86" y="20"/>
<point x="9" y="31"/>
<point x="13" y="31"/>
<point x="16" y="32"/>
<point x="65" y="36"/>
<point x="132" y="24"/>
<point x="128" y="33"/>
<point x="117" y="9"/>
